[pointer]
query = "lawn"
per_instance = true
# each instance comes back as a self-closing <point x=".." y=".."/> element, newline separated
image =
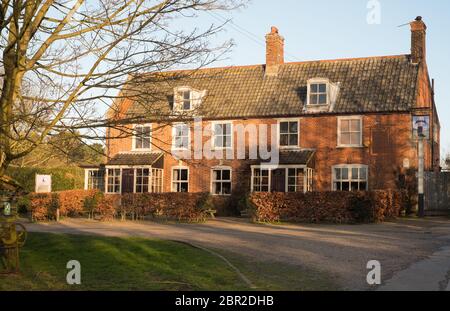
<point x="141" y="264"/>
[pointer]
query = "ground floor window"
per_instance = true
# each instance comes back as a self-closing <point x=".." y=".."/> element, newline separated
<point x="350" y="178"/>
<point x="261" y="180"/>
<point x="283" y="178"/>
<point x="95" y="179"/>
<point x="142" y="180"/>
<point x="296" y="180"/>
<point x="180" y="180"/>
<point x="157" y="180"/>
<point x="113" y="180"/>
<point x="221" y="181"/>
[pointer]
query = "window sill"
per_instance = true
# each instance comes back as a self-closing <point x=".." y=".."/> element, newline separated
<point x="350" y="147"/>
<point x="141" y="150"/>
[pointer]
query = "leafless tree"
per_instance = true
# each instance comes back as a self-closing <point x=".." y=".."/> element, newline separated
<point x="63" y="58"/>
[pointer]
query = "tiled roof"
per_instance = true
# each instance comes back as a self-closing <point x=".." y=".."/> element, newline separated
<point x="134" y="159"/>
<point x="295" y="157"/>
<point x="374" y="84"/>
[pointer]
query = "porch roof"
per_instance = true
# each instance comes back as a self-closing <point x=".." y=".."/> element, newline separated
<point x="292" y="157"/>
<point x="134" y="159"/>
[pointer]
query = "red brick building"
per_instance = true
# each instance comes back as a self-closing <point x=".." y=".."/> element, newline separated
<point x="344" y="124"/>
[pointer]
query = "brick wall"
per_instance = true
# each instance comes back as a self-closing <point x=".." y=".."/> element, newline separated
<point x="319" y="133"/>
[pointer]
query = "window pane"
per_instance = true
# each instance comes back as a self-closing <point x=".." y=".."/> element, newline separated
<point x="355" y="138"/>
<point x="313" y="100"/>
<point x="314" y="88"/>
<point x="226" y="188"/>
<point x="337" y="172"/>
<point x="337" y="186"/>
<point x="345" y="139"/>
<point x="284" y="140"/>
<point x="293" y="127"/>
<point x="345" y="126"/>
<point x="292" y="172"/>
<point x="345" y="186"/>
<point x="184" y="175"/>
<point x="293" y="140"/>
<point x="218" y="141"/>
<point x="322" y="99"/>
<point x="217" y="175"/>
<point x="355" y="174"/>
<point x="187" y="105"/>
<point x="227" y="141"/>
<point x="322" y="88"/>
<point x="184" y="187"/>
<point x="355" y="125"/>
<point x="355" y="186"/>
<point x="284" y="127"/>
<point x="218" y="130"/>
<point x="227" y="128"/>
<point x="345" y="173"/>
<point x="226" y="175"/>
<point x="363" y="173"/>
<point x="217" y="188"/>
<point x="187" y="95"/>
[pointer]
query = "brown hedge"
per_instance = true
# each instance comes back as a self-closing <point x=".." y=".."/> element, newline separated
<point x="175" y="206"/>
<point x="43" y="206"/>
<point x="327" y="207"/>
<point x="73" y="203"/>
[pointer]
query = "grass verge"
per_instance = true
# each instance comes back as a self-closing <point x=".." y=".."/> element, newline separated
<point x="109" y="263"/>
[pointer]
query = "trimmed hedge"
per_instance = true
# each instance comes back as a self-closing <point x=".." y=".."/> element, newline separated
<point x="177" y="206"/>
<point x="174" y="206"/>
<point x="65" y="178"/>
<point x="70" y="203"/>
<point x="327" y="207"/>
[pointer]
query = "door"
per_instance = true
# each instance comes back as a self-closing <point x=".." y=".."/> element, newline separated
<point x="127" y="181"/>
<point x="279" y="180"/>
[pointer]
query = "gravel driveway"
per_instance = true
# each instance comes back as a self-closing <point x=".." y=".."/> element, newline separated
<point x="342" y="251"/>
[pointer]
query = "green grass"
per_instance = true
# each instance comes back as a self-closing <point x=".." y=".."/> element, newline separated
<point x="142" y="264"/>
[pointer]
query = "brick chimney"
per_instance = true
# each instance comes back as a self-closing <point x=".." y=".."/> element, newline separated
<point x="274" y="52"/>
<point x="418" y="40"/>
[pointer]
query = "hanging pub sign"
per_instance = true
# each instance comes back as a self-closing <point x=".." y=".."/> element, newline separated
<point x="421" y="124"/>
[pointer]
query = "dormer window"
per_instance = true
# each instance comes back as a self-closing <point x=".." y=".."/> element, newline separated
<point x="318" y="94"/>
<point x="322" y="95"/>
<point x="187" y="99"/>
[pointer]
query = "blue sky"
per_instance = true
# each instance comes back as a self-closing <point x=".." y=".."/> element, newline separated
<point x="329" y="29"/>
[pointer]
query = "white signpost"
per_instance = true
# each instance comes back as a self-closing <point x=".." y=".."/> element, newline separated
<point x="43" y="183"/>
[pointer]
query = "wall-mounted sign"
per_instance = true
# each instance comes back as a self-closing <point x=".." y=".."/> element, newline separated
<point x="43" y="183"/>
<point x="421" y="124"/>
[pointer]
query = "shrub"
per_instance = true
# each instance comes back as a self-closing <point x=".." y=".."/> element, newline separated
<point x="43" y="206"/>
<point x="107" y="206"/>
<point x="174" y="206"/>
<point x="72" y="201"/>
<point x="326" y="207"/>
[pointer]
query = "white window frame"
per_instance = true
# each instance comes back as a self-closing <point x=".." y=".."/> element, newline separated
<point x="350" y="167"/>
<point x="86" y="177"/>
<point x="318" y="81"/>
<point x="173" y="181"/>
<point x="152" y="185"/>
<point x="279" y="121"/>
<point x="174" y="147"/>
<point x="107" y="180"/>
<point x="308" y="175"/>
<point x="149" y="177"/>
<point x="339" y="133"/>
<point x="133" y="140"/>
<point x="221" y="168"/>
<point x="213" y="136"/>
